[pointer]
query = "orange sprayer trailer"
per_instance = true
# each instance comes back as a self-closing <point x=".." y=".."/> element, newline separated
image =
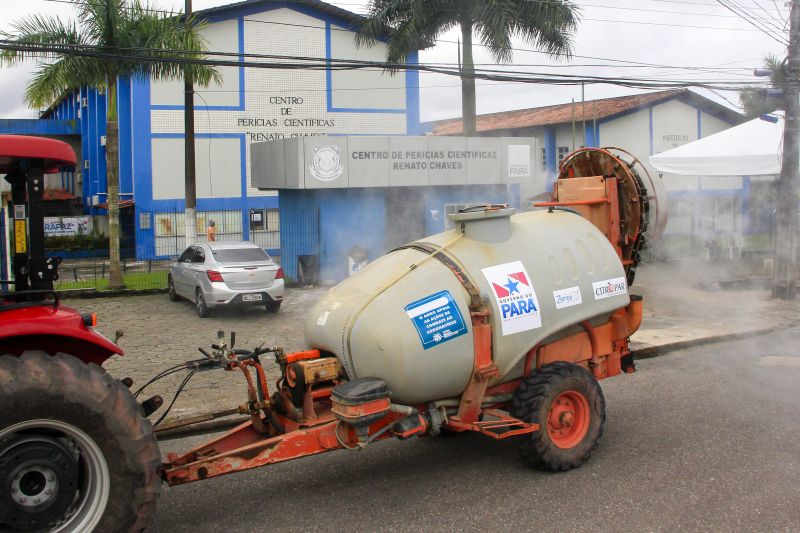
<point x="502" y="326"/>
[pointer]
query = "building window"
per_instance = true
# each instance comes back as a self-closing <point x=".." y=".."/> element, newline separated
<point x="264" y="220"/>
<point x="563" y="151"/>
<point x="544" y="158"/>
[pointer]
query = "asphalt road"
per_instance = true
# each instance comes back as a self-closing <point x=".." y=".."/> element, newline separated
<point x="703" y="439"/>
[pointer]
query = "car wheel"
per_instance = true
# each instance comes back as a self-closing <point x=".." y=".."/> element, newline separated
<point x="273" y="307"/>
<point x="200" y="304"/>
<point x="173" y="296"/>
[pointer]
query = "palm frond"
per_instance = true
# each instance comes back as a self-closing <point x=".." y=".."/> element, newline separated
<point x="39" y="29"/>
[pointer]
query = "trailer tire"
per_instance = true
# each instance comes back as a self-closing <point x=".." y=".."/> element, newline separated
<point x="568" y="404"/>
<point x="58" y="406"/>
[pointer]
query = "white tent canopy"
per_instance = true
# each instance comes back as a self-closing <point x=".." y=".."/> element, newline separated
<point x="749" y="149"/>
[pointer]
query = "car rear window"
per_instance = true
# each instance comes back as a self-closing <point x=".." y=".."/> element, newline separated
<point x="239" y="255"/>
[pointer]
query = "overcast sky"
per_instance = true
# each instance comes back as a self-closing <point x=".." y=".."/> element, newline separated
<point x="684" y="33"/>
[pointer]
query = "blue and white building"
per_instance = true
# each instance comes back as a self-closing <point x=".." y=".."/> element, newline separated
<point x="249" y="105"/>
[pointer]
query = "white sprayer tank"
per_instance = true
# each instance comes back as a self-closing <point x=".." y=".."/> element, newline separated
<point x="405" y="317"/>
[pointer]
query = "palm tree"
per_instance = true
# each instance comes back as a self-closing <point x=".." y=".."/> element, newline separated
<point x="548" y="24"/>
<point x="117" y="34"/>
<point x="755" y="101"/>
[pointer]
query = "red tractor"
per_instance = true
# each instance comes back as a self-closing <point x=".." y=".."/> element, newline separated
<point x="76" y="452"/>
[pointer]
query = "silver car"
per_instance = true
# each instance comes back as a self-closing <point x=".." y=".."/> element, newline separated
<point x="223" y="273"/>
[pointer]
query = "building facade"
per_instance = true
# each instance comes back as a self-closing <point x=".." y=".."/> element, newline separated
<point x="643" y="125"/>
<point x="249" y="105"/>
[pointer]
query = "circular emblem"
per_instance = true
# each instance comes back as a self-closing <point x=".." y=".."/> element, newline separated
<point x="326" y="164"/>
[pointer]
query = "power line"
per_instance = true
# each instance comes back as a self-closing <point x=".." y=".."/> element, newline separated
<point x="321" y="64"/>
<point x="75" y="2"/>
<point x="753" y="23"/>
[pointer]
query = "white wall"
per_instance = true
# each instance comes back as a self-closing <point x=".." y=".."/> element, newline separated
<point x="711" y="125"/>
<point x="218" y="168"/>
<point x="674" y="124"/>
<point x="630" y="132"/>
<point x="385" y="91"/>
<point x="220" y="37"/>
<point x="277" y="103"/>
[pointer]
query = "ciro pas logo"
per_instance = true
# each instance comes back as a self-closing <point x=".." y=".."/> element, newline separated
<point x="609" y="288"/>
<point x="326" y="165"/>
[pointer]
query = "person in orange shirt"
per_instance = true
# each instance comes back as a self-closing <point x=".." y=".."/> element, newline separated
<point x="211" y="232"/>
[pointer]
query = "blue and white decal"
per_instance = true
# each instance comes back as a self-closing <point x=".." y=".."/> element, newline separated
<point x="513" y="291"/>
<point x="437" y="319"/>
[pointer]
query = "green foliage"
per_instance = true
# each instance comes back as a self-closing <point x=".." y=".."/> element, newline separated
<point x="755" y="102"/>
<point x="136" y="39"/>
<point x="131" y="280"/>
<point x="413" y="24"/>
<point x="71" y="243"/>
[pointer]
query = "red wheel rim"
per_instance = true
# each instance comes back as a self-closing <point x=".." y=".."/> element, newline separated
<point x="568" y="419"/>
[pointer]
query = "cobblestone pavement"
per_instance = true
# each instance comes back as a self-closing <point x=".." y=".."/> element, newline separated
<point x="679" y="304"/>
<point x="159" y="334"/>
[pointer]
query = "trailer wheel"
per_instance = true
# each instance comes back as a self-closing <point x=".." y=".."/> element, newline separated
<point x="568" y="404"/>
<point x="75" y="452"/>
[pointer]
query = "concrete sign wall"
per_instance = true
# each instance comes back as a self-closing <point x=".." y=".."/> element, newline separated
<point x="394" y="161"/>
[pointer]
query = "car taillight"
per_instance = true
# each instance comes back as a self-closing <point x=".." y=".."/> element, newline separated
<point x="279" y="274"/>
<point x="213" y="275"/>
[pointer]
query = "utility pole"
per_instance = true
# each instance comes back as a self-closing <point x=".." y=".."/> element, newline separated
<point x="785" y="275"/>
<point x="190" y="216"/>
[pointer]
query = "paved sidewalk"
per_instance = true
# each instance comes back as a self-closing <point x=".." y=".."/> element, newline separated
<point x="160" y="333"/>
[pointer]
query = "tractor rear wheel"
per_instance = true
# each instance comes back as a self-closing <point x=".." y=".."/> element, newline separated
<point x="75" y="452"/>
<point x="568" y="404"/>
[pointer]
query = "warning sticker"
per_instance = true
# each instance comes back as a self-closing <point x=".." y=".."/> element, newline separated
<point x="609" y="287"/>
<point x="437" y="319"/>
<point x="516" y="300"/>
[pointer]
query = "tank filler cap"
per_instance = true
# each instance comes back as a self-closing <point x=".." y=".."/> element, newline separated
<point x="486" y="223"/>
<point x="482" y="212"/>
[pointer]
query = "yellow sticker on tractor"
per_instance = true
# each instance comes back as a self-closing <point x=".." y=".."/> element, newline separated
<point x="20" y="236"/>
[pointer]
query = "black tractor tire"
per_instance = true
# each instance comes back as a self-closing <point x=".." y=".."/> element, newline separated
<point x="200" y="304"/>
<point x="40" y="390"/>
<point x="273" y="307"/>
<point x="545" y="397"/>
<point x="173" y="296"/>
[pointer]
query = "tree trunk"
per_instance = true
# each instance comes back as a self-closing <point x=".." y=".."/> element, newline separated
<point x="112" y="187"/>
<point x="468" y="81"/>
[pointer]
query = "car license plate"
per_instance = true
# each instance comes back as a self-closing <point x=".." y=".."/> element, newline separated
<point x="252" y="297"/>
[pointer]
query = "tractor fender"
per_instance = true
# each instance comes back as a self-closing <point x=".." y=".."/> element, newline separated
<point x="53" y="329"/>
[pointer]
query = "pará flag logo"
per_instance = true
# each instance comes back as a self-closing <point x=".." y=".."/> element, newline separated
<point x="516" y="299"/>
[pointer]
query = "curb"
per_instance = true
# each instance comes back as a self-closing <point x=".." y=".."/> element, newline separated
<point x="662" y="349"/>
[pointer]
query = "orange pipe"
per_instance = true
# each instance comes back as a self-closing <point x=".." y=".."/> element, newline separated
<point x="593" y="340"/>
